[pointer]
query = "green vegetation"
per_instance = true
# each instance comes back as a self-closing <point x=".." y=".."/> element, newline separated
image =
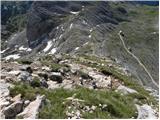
<point x="24" y="61"/>
<point x="35" y="82"/>
<point x="118" y="106"/>
<point x="51" y="62"/>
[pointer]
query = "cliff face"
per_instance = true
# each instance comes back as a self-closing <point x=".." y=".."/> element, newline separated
<point x="92" y="28"/>
<point x="46" y="16"/>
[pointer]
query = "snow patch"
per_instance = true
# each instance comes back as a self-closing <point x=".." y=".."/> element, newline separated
<point x="62" y="28"/>
<point x="54" y="40"/>
<point x="75" y="13"/>
<point x="89" y="36"/>
<point x="76" y="48"/>
<point x="49" y="44"/>
<point x="84" y="22"/>
<point x="14" y="72"/>
<point x="60" y="36"/>
<point x="15" y="56"/>
<point x="71" y="25"/>
<point x="29" y="49"/>
<point x="4" y="50"/>
<point x="22" y="48"/>
<point x="85" y="43"/>
<point x="91" y="30"/>
<point x="52" y="51"/>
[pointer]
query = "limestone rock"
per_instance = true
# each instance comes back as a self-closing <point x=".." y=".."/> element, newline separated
<point x="31" y="111"/>
<point x="125" y="90"/>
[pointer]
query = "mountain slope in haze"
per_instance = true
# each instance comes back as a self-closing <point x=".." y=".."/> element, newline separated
<point x="92" y="28"/>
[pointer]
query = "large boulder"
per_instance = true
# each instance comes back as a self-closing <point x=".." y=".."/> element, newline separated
<point x="31" y="111"/>
<point x="56" y="76"/>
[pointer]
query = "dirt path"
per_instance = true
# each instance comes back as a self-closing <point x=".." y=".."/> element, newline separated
<point x="140" y="63"/>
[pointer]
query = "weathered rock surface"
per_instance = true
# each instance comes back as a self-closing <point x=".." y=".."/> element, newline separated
<point x="12" y="110"/>
<point x="146" y="112"/>
<point x="31" y="111"/>
<point x="4" y="92"/>
<point x="25" y="76"/>
<point x="126" y="90"/>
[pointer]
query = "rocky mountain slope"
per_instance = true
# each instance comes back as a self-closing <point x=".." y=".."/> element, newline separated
<point x="72" y="87"/>
<point x="82" y="59"/>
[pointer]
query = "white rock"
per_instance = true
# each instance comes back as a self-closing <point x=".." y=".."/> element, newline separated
<point x="60" y="36"/>
<point x="145" y="112"/>
<point x="14" y="72"/>
<point x="126" y="90"/>
<point x="85" y="43"/>
<point x="14" y="56"/>
<point x="52" y="84"/>
<point x="71" y="25"/>
<point x="46" y="68"/>
<point x="31" y="111"/>
<point x="17" y="98"/>
<point x="75" y="13"/>
<point x="22" y="48"/>
<point x="76" y="48"/>
<point x="4" y="50"/>
<point x="53" y="51"/>
<point x="84" y="22"/>
<point x="29" y="49"/>
<point x="91" y="30"/>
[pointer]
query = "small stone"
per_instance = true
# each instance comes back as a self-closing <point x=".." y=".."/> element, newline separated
<point x="100" y="105"/>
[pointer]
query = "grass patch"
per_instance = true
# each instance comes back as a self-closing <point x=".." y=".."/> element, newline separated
<point x="118" y="106"/>
<point x="24" y="61"/>
<point x="51" y="62"/>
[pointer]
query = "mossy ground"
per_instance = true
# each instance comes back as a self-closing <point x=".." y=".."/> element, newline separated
<point x="119" y="106"/>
